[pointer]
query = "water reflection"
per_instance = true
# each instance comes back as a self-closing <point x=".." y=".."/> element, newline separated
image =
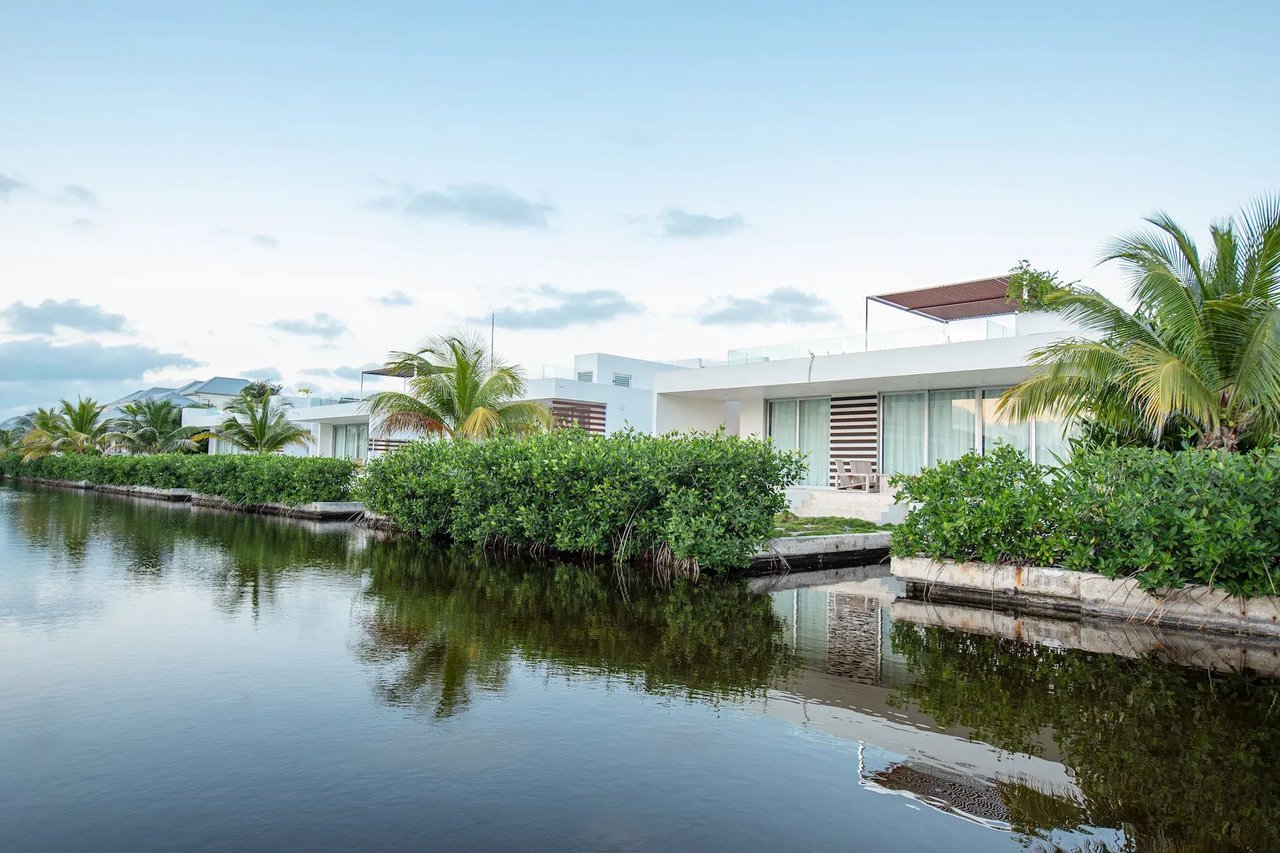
<point x="1028" y="745"/>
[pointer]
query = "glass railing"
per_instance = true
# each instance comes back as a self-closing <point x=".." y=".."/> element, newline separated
<point x="922" y="336"/>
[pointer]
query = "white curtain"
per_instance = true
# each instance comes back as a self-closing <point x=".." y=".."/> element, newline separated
<point x="953" y="420"/>
<point x="815" y="440"/>
<point x="1052" y="447"/>
<point x="997" y="430"/>
<point x="904" y="433"/>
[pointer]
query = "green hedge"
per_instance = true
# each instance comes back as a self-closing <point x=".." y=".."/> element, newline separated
<point x="241" y="478"/>
<point x="1168" y="519"/>
<point x="681" y="502"/>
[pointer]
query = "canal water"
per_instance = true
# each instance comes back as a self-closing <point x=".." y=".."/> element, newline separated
<point x="180" y="678"/>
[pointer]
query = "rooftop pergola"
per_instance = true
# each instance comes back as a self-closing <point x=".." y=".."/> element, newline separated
<point x="968" y="300"/>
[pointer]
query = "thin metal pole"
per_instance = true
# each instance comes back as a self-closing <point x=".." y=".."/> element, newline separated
<point x="866" y="323"/>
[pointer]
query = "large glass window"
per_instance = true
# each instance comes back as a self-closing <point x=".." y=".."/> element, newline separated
<point x="1052" y="447"/>
<point x="804" y="425"/>
<point x="350" y="441"/>
<point x="953" y="421"/>
<point x="996" y="429"/>
<point x="904" y="433"/>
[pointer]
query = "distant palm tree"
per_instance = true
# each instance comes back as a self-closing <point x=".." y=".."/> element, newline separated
<point x="258" y="425"/>
<point x="10" y="439"/>
<point x="153" y="426"/>
<point x="456" y="388"/>
<point x="1201" y="349"/>
<point x="70" y="428"/>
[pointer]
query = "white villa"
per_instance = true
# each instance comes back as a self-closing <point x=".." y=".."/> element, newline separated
<point x="897" y="400"/>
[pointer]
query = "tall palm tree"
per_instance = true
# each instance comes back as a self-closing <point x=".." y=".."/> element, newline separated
<point x="70" y="428"/>
<point x="153" y="426"/>
<point x="1201" y="348"/>
<point x="456" y="388"/>
<point x="258" y="425"/>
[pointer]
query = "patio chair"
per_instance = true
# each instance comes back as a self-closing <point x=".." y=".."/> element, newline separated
<point x="854" y="474"/>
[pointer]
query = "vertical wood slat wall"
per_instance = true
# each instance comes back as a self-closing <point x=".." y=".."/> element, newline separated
<point x="589" y="416"/>
<point x="855" y="430"/>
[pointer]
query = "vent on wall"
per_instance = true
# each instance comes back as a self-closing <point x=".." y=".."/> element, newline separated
<point x="585" y="376"/>
<point x="622" y="380"/>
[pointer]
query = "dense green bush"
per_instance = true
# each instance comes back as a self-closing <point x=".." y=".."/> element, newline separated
<point x="682" y="502"/>
<point x="1169" y="519"/>
<point x="240" y="478"/>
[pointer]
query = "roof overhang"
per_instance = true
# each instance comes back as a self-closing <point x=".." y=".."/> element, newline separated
<point x="968" y="300"/>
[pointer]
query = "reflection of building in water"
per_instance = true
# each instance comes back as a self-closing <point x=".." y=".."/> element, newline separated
<point x="965" y="796"/>
<point x="846" y="686"/>
<point x="841" y="629"/>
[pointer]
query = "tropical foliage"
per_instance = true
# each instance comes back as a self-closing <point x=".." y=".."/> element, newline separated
<point x="70" y="428"/>
<point x="1200" y="351"/>
<point x="240" y="478"/>
<point x="681" y="503"/>
<point x="259" y="424"/>
<point x="1168" y="519"/>
<point x="153" y="426"/>
<point x="456" y="388"/>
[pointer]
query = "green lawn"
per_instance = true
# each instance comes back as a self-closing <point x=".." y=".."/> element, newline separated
<point x="787" y="524"/>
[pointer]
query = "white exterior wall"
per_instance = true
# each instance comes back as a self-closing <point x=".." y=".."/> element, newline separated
<point x="694" y="413"/>
<point x="603" y="366"/>
<point x="623" y="406"/>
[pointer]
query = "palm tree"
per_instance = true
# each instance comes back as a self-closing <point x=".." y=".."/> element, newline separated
<point x="70" y="428"/>
<point x="153" y="426"/>
<point x="1201" y="349"/>
<point x="457" y="389"/>
<point x="258" y="425"/>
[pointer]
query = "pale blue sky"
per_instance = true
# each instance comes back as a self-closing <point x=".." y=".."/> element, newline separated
<point x="606" y="176"/>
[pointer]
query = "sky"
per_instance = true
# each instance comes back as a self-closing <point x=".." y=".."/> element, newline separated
<point x="291" y="190"/>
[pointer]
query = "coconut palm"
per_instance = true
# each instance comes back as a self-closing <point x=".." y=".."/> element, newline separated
<point x="258" y="425"/>
<point x="1201" y="349"/>
<point x="153" y="426"/>
<point x="459" y="390"/>
<point x="70" y="428"/>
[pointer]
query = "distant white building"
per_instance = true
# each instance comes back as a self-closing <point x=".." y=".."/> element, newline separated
<point x="602" y="393"/>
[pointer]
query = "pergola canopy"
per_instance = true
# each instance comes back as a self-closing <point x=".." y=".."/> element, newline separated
<point x="985" y="297"/>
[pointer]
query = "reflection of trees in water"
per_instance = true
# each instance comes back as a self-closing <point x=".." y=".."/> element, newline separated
<point x="1177" y="758"/>
<point x="244" y="556"/>
<point x="57" y="519"/>
<point x="442" y="625"/>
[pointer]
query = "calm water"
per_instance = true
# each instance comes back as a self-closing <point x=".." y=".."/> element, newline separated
<point x="188" y="679"/>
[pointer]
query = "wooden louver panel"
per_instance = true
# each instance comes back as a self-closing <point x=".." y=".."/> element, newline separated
<point x="855" y="426"/>
<point x="589" y="416"/>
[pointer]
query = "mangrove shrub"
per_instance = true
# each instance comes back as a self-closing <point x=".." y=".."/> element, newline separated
<point x="681" y="502"/>
<point x="240" y="478"/>
<point x="1168" y="519"/>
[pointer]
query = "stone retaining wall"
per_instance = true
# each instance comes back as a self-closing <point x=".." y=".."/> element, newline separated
<point x="1036" y="587"/>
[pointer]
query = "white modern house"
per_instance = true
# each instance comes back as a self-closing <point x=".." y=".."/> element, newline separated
<point x="601" y="393"/>
<point x="897" y="400"/>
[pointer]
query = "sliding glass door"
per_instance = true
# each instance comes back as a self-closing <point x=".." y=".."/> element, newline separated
<point x="928" y="427"/>
<point x="804" y="425"/>
<point x="903" y="441"/>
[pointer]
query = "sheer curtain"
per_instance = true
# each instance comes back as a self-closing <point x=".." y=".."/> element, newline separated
<point x="815" y="440"/>
<point x="782" y="424"/>
<point x="995" y="429"/>
<point x="1052" y="447"/>
<point x="903" y="433"/>
<point x="953" y="420"/>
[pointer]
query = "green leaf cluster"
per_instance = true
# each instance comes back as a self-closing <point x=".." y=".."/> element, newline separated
<point x="681" y="502"/>
<point x="242" y="479"/>
<point x="1166" y="518"/>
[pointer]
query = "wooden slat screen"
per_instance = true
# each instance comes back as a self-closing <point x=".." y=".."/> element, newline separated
<point x="386" y="445"/>
<point x="855" y="425"/>
<point x="589" y="416"/>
